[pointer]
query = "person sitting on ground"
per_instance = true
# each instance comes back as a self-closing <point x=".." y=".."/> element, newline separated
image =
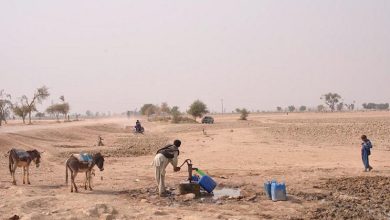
<point x="366" y="152"/>
<point x="100" y="141"/>
<point x="138" y="126"/>
<point x="164" y="156"/>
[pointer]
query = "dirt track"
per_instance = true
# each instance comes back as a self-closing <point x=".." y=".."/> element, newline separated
<point x="317" y="154"/>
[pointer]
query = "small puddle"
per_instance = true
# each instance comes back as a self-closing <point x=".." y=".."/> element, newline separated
<point x="229" y="192"/>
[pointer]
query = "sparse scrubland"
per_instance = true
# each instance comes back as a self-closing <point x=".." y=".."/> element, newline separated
<point x="317" y="154"/>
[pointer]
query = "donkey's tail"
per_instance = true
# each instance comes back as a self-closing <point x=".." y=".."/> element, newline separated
<point x="66" y="172"/>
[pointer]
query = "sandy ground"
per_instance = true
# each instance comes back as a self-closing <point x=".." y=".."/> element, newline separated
<point x="317" y="154"/>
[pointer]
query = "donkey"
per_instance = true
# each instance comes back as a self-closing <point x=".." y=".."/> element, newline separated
<point x="21" y="158"/>
<point x="75" y="166"/>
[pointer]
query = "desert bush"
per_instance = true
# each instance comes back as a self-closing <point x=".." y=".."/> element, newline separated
<point x="244" y="113"/>
<point x="183" y="119"/>
<point x="157" y="118"/>
<point x="379" y="106"/>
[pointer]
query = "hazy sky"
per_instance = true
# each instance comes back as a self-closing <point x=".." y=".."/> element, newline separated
<point x="117" y="55"/>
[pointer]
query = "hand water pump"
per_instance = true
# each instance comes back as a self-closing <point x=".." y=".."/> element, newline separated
<point x="190" y="168"/>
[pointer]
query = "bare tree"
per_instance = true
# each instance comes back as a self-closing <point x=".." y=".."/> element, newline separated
<point x="279" y="109"/>
<point x="5" y="106"/>
<point x="39" y="95"/>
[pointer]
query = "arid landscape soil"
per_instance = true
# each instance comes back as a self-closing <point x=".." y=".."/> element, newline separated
<point x="316" y="154"/>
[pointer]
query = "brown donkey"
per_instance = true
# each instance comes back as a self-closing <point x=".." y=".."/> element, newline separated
<point x="21" y="158"/>
<point x="75" y="166"/>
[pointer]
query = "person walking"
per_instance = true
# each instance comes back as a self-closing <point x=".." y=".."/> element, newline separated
<point x="164" y="156"/>
<point x="366" y="152"/>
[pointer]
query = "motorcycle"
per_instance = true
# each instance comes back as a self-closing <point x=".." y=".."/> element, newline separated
<point x="140" y="130"/>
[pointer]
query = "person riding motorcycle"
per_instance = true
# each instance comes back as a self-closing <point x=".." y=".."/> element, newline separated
<point x="138" y="126"/>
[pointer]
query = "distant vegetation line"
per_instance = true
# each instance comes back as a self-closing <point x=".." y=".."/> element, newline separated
<point x="24" y="108"/>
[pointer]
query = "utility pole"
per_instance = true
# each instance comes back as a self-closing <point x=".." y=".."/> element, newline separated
<point x="222" y="105"/>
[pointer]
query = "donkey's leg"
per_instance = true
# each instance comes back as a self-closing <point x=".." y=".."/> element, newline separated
<point x="86" y="179"/>
<point x="73" y="181"/>
<point x="28" y="174"/>
<point x="89" y="180"/>
<point x="13" y="173"/>
<point x="24" y="175"/>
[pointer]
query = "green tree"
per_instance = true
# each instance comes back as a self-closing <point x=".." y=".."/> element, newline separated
<point x="64" y="107"/>
<point x="54" y="110"/>
<point x="40" y="94"/>
<point x="279" y="109"/>
<point x="340" y="106"/>
<point x="331" y="100"/>
<point x="165" y="108"/>
<point x="320" y="108"/>
<point x="380" y="106"/>
<point x="59" y="108"/>
<point x="5" y="106"/>
<point x="89" y="113"/>
<point x="21" y="111"/>
<point x="176" y="114"/>
<point x="197" y="109"/>
<point x="40" y="115"/>
<point x="291" y="108"/>
<point x="302" y="108"/>
<point x="149" y="109"/>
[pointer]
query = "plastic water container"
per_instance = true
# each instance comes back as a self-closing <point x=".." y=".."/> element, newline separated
<point x="278" y="191"/>
<point x="207" y="183"/>
<point x="267" y="189"/>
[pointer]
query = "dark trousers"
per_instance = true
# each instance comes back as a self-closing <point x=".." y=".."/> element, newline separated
<point x="365" y="159"/>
